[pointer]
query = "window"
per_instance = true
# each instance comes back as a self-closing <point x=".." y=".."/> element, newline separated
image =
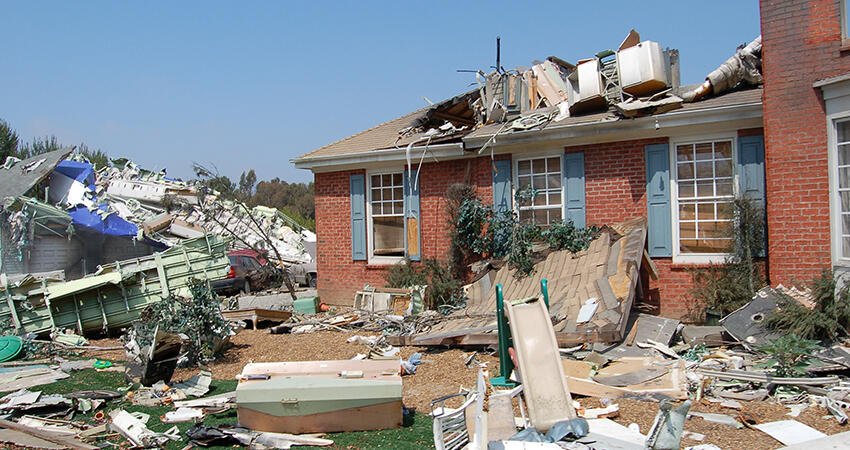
<point x="543" y="177"/>
<point x="704" y="182"/>
<point x="386" y="205"/>
<point x="842" y="176"/>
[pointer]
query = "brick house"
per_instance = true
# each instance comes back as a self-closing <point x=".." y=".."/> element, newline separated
<point x="593" y="169"/>
<point x="806" y="50"/>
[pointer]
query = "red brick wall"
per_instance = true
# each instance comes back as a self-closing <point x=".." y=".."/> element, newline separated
<point x="801" y="44"/>
<point x="339" y="276"/>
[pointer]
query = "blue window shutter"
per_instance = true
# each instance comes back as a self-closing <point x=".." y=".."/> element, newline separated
<point x="413" y="250"/>
<point x="659" y="220"/>
<point x="357" y="184"/>
<point x="751" y="167"/>
<point x="574" y="188"/>
<point x="751" y="171"/>
<point x="502" y="185"/>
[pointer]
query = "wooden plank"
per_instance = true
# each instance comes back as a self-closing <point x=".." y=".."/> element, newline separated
<point x="47" y="436"/>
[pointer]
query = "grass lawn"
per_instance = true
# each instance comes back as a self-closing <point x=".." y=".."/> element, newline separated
<point x="416" y="433"/>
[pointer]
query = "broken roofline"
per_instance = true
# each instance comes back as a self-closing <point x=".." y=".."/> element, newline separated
<point x="582" y="133"/>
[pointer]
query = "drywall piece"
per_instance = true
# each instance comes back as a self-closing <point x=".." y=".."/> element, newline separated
<point x="539" y="361"/>
<point x="722" y="419"/>
<point x="500" y="417"/>
<point x="607" y="434"/>
<point x="587" y="310"/>
<point x="840" y="441"/>
<point x="25" y="440"/>
<point x="790" y="432"/>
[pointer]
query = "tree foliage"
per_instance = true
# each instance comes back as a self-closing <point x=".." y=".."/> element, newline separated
<point x="828" y="320"/>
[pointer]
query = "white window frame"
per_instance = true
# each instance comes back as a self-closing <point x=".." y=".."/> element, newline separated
<point x="697" y="258"/>
<point x="836" y="225"/>
<point x="538" y="155"/>
<point x="370" y="238"/>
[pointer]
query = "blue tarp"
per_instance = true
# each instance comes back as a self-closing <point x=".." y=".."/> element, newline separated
<point x="81" y="216"/>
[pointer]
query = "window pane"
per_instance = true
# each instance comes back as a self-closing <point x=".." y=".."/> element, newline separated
<point x="705" y="188"/>
<point x="843" y="129"/>
<point x="523" y="182"/>
<point x="724" y="187"/>
<point x="388" y="234"/>
<point x="687" y="230"/>
<point x="705" y="169"/>
<point x="845" y="218"/>
<point x="387" y="180"/>
<point x="539" y="182"/>
<point x="554" y="181"/>
<point x="540" y="217"/>
<point x="376" y="181"/>
<point x="845" y="246"/>
<point x="686" y="171"/>
<point x="725" y="211"/>
<point x="684" y="152"/>
<point x="705" y="211"/>
<point x="554" y="215"/>
<point x="397" y="179"/>
<point x="703" y="151"/>
<point x="555" y="198"/>
<point x="538" y="165"/>
<point x="723" y="149"/>
<point x="710" y="230"/>
<point x="723" y="168"/>
<point x="398" y="207"/>
<point x="844" y="154"/>
<point x="845" y="201"/>
<point x="540" y="199"/>
<point x="553" y="165"/>
<point x="844" y="177"/>
<point x="525" y="215"/>
<point x="686" y="189"/>
<point x="524" y="167"/>
<point x="687" y="211"/>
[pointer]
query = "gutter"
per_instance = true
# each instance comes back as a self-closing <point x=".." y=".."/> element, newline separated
<point x="441" y="151"/>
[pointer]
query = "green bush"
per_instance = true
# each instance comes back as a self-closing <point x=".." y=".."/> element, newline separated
<point x="788" y="356"/>
<point x="444" y="290"/>
<point x="827" y="321"/>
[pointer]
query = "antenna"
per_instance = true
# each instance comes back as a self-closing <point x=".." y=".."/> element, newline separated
<point x="498" y="53"/>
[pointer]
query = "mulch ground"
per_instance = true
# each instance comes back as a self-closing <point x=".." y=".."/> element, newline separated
<point x="443" y="372"/>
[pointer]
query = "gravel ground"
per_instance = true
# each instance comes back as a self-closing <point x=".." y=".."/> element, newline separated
<point x="443" y="372"/>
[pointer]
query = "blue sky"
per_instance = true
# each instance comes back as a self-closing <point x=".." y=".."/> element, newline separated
<point x="240" y="85"/>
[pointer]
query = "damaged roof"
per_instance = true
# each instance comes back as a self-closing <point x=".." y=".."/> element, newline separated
<point x="386" y="135"/>
<point x="18" y="178"/>
<point x="731" y="99"/>
<point x="391" y="134"/>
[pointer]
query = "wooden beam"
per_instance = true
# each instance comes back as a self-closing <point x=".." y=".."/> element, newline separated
<point x="47" y="436"/>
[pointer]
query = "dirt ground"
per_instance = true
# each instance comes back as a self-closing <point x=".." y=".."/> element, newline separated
<point x="443" y="372"/>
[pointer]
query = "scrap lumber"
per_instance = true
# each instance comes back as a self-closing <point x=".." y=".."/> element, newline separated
<point x="767" y="378"/>
<point x="62" y="440"/>
<point x="607" y="270"/>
